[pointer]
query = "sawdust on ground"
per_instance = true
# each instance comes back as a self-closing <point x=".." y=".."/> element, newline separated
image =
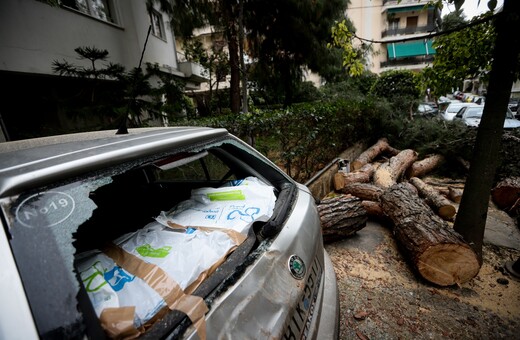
<point x="382" y="298"/>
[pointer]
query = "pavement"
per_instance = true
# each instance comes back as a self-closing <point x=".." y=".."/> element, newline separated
<point x="381" y="296"/>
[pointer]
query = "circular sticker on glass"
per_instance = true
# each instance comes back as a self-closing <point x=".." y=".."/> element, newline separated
<point x="297" y="267"/>
<point x="45" y="209"/>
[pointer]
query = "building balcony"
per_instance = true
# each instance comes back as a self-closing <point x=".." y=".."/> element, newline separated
<point x="404" y="2"/>
<point x="193" y="71"/>
<point x="408" y="61"/>
<point x="408" y="30"/>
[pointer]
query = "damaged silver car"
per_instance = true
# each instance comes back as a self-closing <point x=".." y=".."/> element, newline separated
<point x="161" y="233"/>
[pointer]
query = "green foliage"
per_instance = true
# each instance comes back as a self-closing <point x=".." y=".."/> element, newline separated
<point x="306" y="136"/>
<point x="350" y="87"/>
<point x="453" y="20"/>
<point x="470" y="49"/>
<point x="285" y="35"/>
<point x="306" y="92"/>
<point x="397" y="82"/>
<point x="342" y="38"/>
<point x="402" y="88"/>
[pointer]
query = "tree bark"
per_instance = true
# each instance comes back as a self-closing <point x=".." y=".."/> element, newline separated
<point x="455" y="194"/>
<point x="424" y="166"/>
<point x="506" y="193"/>
<point x="471" y="217"/>
<point x="389" y="172"/>
<point x="370" y="154"/>
<point x="363" y="175"/>
<point x="440" y="204"/>
<point x="341" y="217"/>
<point x="375" y="211"/>
<point x="365" y="191"/>
<point x="433" y="249"/>
<point x="234" y="64"/>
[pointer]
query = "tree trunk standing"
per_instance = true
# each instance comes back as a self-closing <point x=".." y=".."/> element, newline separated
<point x="242" y="64"/>
<point x="471" y="218"/>
<point x="234" y="63"/>
<point x="288" y="83"/>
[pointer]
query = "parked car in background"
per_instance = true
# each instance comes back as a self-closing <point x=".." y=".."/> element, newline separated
<point x="513" y="104"/>
<point x="426" y="110"/>
<point x="458" y="95"/>
<point x="471" y="115"/>
<point x="159" y="233"/>
<point x="453" y="108"/>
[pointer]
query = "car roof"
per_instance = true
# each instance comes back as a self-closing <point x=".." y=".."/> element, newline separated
<point x="36" y="162"/>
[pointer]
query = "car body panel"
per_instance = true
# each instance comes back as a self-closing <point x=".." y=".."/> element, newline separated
<point x="49" y="159"/>
<point x="264" y="296"/>
<point x="15" y="310"/>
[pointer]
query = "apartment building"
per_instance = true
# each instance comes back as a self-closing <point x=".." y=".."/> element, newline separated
<point x="34" y="34"/>
<point x="390" y="27"/>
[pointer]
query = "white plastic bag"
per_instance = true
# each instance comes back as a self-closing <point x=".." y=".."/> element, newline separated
<point x="183" y="255"/>
<point x="236" y="205"/>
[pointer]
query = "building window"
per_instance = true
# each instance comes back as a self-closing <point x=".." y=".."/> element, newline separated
<point x="157" y="24"/>
<point x="412" y="22"/>
<point x="393" y="24"/>
<point x="98" y="9"/>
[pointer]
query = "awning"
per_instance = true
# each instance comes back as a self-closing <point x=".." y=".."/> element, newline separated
<point x="405" y="9"/>
<point x="410" y="49"/>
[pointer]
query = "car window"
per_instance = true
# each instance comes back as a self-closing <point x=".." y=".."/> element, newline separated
<point x="201" y="166"/>
<point x="453" y="108"/>
<point x="474" y="112"/>
<point x="460" y="112"/>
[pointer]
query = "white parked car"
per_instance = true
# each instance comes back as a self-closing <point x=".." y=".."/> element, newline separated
<point x="471" y="116"/>
<point x="162" y="233"/>
<point x="453" y="108"/>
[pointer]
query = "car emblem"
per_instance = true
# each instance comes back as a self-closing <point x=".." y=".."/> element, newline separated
<point x="297" y="267"/>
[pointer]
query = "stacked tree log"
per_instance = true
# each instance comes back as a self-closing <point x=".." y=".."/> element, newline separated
<point x="387" y="183"/>
<point x="341" y="216"/>
<point x="506" y="195"/>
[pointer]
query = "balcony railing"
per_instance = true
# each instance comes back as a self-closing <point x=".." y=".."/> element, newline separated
<point x="403" y="2"/>
<point x="193" y="71"/>
<point x="408" y="30"/>
<point x="407" y="61"/>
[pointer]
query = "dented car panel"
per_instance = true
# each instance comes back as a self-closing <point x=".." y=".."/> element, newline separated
<point x="66" y="196"/>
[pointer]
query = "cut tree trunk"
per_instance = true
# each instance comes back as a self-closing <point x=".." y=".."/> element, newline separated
<point x="374" y="210"/>
<point x="341" y="217"/>
<point x="365" y="191"/>
<point x="455" y="194"/>
<point x="440" y="204"/>
<point x="424" y="166"/>
<point x="506" y="194"/>
<point x="363" y="175"/>
<point x="371" y="153"/>
<point x="436" y="252"/>
<point x="389" y="172"/>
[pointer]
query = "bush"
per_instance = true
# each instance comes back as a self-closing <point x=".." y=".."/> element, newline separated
<point x="306" y="136"/>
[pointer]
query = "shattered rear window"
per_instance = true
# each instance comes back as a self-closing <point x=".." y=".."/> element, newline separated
<point x="42" y="225"/>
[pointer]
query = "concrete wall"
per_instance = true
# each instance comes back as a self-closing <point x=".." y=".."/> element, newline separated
<point x="323" y="184"/>
<point x="34" y="34"/>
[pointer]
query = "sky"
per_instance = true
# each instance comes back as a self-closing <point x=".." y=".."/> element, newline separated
<point x="471" y="7"/>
